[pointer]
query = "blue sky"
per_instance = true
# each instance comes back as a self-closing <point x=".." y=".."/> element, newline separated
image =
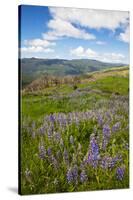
<point x="71" y="33"/>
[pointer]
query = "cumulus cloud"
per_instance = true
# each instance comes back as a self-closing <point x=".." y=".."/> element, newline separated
<point x="91" y="18"/>
<point x="62" y="28"/>
<point x="36" y="49"/>
<point x="125" y="36"/>
<point x="37" y="46"/>
<point x="39" y="42"/>
<point x="71" y="22"/>
<point x="81" y="52"/>
<point x="112" y="57"/>
<point x="77" y="23"/>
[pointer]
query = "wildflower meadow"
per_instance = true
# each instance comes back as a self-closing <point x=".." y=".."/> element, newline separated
<point x="76" y="138"/>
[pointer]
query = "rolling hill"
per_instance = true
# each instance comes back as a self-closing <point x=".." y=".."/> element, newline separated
<point x="33" y="68"/>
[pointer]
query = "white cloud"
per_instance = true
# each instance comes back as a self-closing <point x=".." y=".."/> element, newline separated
<point x="125" y="37"/>
<point x="91" y="18"/>
<point x="81" y="52"/>
<point x="71" y="22"/>
<point x="62" y="28"/>
<point x="37" y="46"/>
<point x="48" y="50"/>
<point x="36" y="49"/>
<point x="113" y="57"/>
<point x="50" y="35"/>
<point x="39" y="42"/>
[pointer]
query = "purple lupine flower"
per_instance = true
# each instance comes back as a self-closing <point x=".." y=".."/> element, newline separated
<point x="109" y="162"/>
<point x="59" y="118"/>
<point x="108" y="116"/>
<point x="57" y="136"/>
<point x="42" y="130"/>
<point x="94" y="148"/>
<point x="106" y="130"/>
<point x="75" y="173"/>
<point x="90" y="157"/>
<point x="93" y="155"/>
<point x="84" y="163"/>
<point x="49" y="152"/>
<point x="113" y="162"/>
<point x="106" y="135"/>
<point x="100" y="120"/>
<point x="49" y="133"/>
<point x="69" y="176"/>
<point x="104" y="162"/>
<point x="104" y="143"/>
<point x="54" y="161"/>
<point x="126" y="146"/>
<point x="120" y="173"/>
<point x="51" y="118"/>
<point x="64" y="121"/>
<point x="69" y="118"/>
<point x="72" y="174"/>
<point x="83" y="176"/>
<point x="116" y="127"/>
<point x="42" y="151"/>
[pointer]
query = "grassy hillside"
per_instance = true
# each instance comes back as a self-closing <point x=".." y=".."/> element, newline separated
<point x="97" y="85"/>
<point x="33" y="68"/>
<point x="75" y="135"/>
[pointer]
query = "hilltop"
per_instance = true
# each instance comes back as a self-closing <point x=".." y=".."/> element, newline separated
<point x="33" y="68"/>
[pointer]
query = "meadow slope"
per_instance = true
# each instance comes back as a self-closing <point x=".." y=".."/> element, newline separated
<point x="75" y="135"/>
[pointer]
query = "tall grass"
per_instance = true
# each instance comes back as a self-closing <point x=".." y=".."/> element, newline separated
<point x="77" y="140"/>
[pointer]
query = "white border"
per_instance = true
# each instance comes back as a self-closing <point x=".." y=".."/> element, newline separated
<point x="9" y="99"/>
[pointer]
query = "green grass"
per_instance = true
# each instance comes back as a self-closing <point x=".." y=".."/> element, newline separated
<point x="43" y="103"/>
<point x="36" y="107"/>
<point x="104" y="95"/>
<point x="113" y="84"/>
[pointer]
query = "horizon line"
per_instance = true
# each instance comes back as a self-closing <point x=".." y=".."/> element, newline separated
<point x="73" y="59"/>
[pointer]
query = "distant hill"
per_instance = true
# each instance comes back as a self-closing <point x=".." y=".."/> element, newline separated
<point x="33" y="68"/>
